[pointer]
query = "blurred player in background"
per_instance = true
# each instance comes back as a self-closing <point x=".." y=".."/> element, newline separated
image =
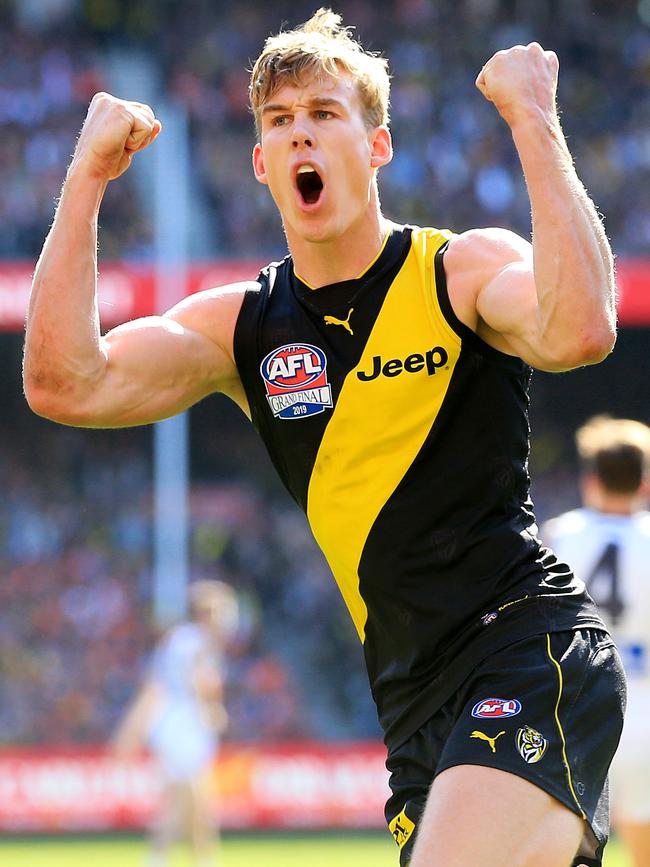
<point x="607" y="543"/>
<point x="386" y="367"/>
<point x="179" y="714"/>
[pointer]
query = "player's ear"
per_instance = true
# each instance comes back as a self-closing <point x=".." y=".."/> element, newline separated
<point x="381" y="145"/>
<point x="258" y="164"/>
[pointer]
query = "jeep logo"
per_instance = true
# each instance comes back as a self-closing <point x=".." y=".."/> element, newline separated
<point x="432" y="360"/>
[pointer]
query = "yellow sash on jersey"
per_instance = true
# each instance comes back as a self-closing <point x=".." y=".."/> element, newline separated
<point x="379" y="424"/>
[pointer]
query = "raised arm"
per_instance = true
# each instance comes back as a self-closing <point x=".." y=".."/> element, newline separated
<point x="553" y="304"/>
<point x="139" y="372"/>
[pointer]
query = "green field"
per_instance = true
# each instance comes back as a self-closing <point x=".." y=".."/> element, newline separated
<point x="308" y="850"/>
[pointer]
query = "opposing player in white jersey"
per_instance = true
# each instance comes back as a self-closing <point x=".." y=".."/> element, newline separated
<point x="178" y="714"/>
<point x="607" y="543"/>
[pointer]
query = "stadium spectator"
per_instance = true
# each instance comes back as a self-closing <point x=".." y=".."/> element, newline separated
<point x="607" y="543"/>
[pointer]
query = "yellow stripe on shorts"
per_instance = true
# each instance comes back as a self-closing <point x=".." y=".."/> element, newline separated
<point x="565" y="759"/>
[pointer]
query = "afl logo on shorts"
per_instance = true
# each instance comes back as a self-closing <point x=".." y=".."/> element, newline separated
<point x="496" y="708"/>
<point x="296" y="380"/>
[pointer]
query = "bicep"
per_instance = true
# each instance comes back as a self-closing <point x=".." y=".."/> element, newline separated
<point x="511" y="319"/>
<point x="155" y="367"/>
<point x="507" y="310"/>
<point x="497" y="283"/>
<point x="158" y="366"/>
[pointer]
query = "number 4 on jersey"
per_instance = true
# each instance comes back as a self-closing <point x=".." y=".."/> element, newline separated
<point x="603" y="583"/>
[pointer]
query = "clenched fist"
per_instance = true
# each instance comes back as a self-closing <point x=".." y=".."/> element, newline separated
<point x="114" y="130"/>
<point x="520" y="80"/>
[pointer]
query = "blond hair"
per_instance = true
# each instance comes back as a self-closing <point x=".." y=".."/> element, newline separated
<point x="320" y="46"/>
<point x="616" y="450"/>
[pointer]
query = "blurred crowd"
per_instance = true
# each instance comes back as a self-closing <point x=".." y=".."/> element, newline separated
<point x="76" y="627"/>
<point x="76" y="515"/>
<point x="455" y="164"/>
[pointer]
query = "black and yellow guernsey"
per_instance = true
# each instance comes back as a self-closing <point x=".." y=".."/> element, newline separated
<point x="404" y="438"/>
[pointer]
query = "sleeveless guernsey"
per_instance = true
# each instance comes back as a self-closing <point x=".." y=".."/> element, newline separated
<point x="404" y="438"/>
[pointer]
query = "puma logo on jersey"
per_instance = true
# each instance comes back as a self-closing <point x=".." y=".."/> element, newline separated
<point x="332" y="320"/>
<point x="431" y="360"/>
<point x="491" y="741"/>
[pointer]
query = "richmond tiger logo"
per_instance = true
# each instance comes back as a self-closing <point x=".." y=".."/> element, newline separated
<point x="531" y="744"/>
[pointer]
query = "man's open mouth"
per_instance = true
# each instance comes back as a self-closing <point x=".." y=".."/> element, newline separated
<point x="309" y="184"/>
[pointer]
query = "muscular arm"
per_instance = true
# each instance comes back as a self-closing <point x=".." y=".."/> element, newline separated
<point x="553" y="304"/>
<point x="139" y="372"/>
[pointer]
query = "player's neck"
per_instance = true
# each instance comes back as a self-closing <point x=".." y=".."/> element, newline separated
<point x="344" y="257"/>
<point x="614" y="504"/>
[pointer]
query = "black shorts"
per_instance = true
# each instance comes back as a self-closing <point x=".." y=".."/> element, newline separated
<point x="548" y="708"/>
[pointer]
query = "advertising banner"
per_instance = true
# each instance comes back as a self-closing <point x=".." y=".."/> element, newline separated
<point x="286" y="786"/>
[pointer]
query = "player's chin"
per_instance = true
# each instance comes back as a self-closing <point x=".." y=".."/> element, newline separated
<point x="314" y="227"/>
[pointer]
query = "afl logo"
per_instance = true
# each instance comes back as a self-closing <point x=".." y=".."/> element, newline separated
<point x="496" y="708"/>
<point x="296" y="380"/>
